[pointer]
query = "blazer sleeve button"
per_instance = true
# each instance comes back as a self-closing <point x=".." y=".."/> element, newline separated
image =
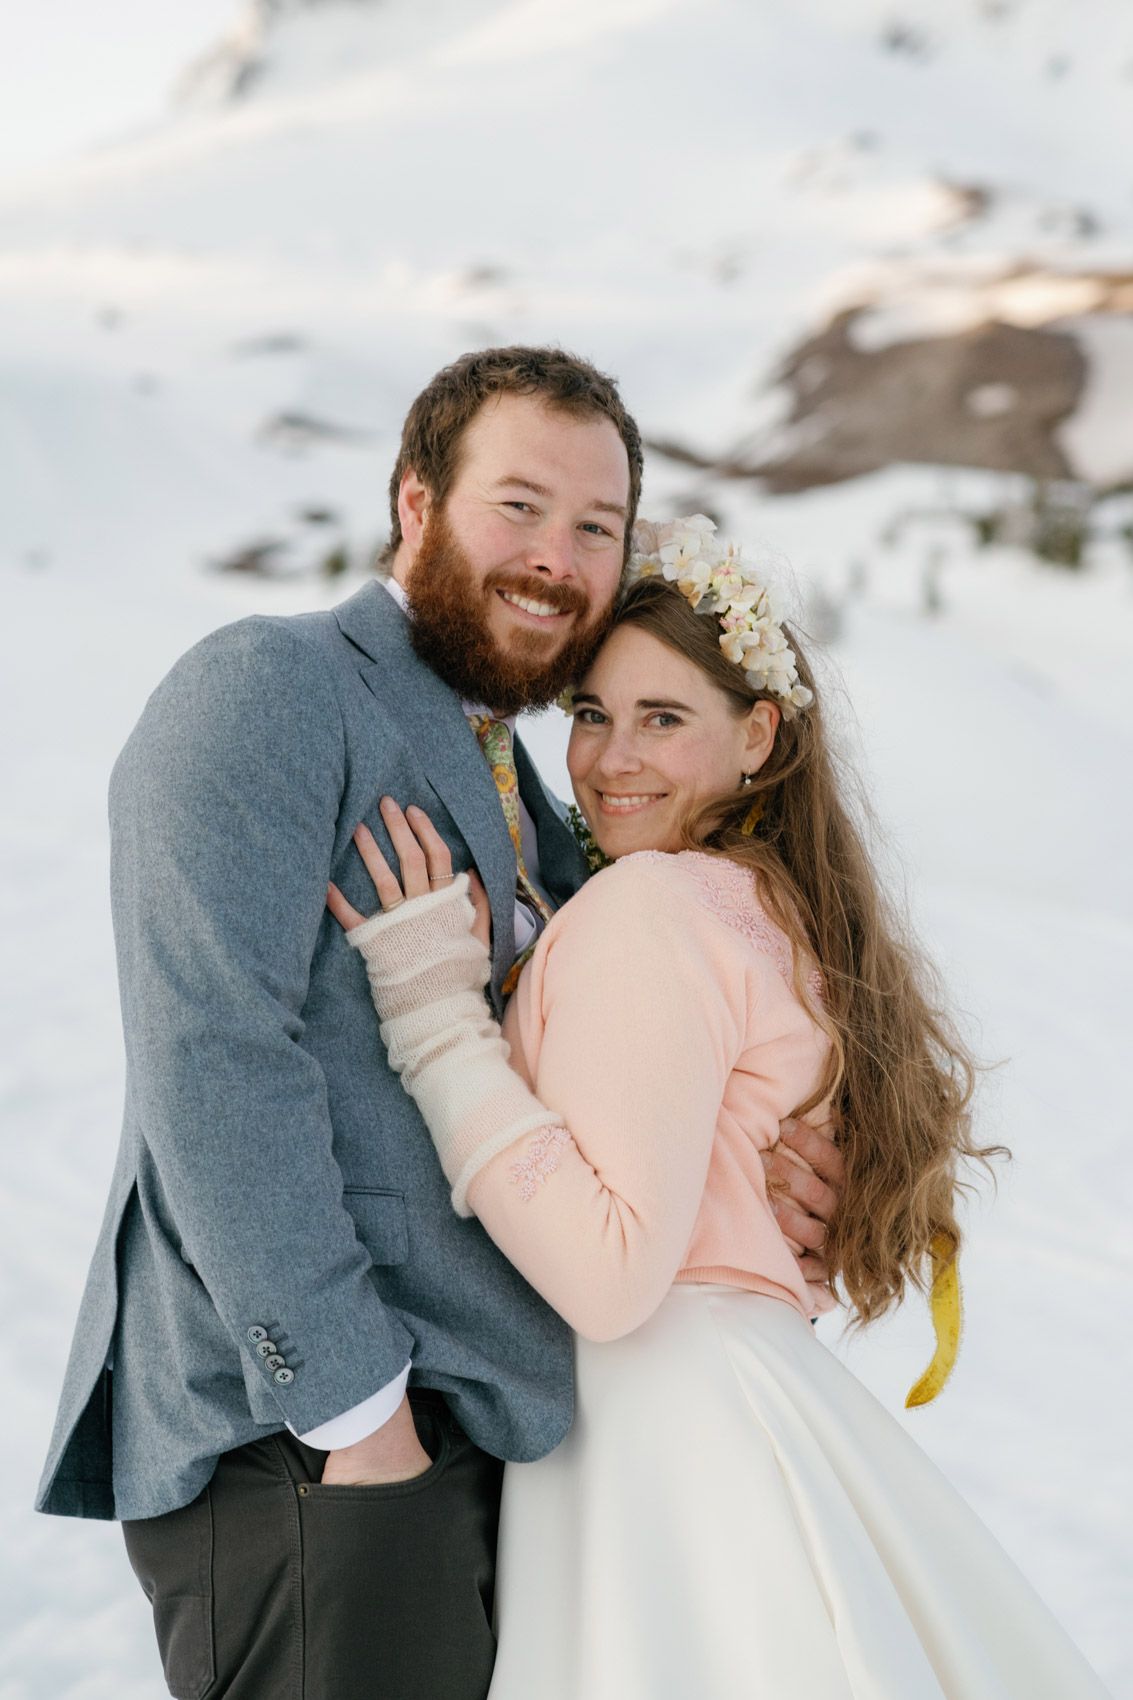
<point x="284" y="1377"/>
<point x="256" y="1334"/>
<point x="266" y="1349"/>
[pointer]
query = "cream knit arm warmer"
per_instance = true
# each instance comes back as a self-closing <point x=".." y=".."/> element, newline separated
<point x="427" y="975"/>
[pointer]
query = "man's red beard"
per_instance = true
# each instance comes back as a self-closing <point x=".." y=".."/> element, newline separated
<point x="450" y="611"/>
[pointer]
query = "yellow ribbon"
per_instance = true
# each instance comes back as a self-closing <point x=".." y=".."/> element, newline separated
<point x="752" y="818"/>
<point x="946" y="1307"/>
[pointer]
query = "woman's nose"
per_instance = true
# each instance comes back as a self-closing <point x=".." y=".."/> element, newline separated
<point x="619" y="755"/>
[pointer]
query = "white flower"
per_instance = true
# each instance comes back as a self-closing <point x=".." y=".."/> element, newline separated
<point x="684" y="540"/>
<point x="774" y="600"/>
<point x="694" y="579"/>
<point x="646" y="538"/>
<point x="729" y="584"/>
<point x="781" y="673"/>
<point x="700" y="527"/>
<point x="745" y="599"/>
<point x="679" y="553"/>
<point x="714" y="577"/>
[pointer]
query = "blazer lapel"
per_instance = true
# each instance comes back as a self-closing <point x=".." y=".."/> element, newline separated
<point x="562" y="865"/>
<point x="428" y="716"/>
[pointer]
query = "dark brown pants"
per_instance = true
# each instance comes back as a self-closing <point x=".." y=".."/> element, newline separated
<point x="269" y="1586"/>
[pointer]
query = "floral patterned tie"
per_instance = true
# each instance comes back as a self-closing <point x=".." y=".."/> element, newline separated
<point x="494" y="738"/>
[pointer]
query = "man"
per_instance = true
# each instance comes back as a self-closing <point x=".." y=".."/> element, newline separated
<point x="295" y="1369"/>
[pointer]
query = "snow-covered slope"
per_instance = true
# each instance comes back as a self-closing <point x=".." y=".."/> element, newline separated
<point x="209" y="335"/>
<point x="684" y="189"/>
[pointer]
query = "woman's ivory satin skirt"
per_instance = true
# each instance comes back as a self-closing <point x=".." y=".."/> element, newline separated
<point x="734" y="1517"/>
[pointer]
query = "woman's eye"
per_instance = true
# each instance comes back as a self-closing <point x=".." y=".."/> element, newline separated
<point x="665" y="719"/>
<point x="523" y="507"/>
<point x="597" y="530"/>
<point x="589" y="716"/>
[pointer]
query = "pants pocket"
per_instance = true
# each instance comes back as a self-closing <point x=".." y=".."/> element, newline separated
<point x="172" y="1558"/>
<point x="433" y="1434"/>
<point x="399" y="1579"/>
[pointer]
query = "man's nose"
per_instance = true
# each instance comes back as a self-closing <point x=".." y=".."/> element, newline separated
<point x="553" y="553"/>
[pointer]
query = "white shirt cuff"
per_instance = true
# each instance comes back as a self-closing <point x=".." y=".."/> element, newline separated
<point x="354" y="1425"/>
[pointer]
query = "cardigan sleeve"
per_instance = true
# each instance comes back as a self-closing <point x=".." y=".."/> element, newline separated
<point x="627" y="1024"/>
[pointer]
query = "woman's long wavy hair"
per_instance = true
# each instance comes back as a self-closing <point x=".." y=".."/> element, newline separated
<point x="899" y="1077"/>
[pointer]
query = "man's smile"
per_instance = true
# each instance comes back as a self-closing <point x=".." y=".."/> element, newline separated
<point x="543" y="613"/>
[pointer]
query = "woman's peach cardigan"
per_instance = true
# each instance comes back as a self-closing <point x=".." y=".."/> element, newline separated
<point x="657" y="1019"/>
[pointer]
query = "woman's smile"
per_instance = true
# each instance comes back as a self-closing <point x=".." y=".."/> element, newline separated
<point x="615" y="803"/>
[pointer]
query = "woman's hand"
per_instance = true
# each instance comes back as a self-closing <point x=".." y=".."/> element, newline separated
<point x="424" y="864"/>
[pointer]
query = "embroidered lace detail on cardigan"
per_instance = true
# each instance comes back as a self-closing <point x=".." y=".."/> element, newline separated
<point x="729" y="892"/>
<point x="543" y="1154"/>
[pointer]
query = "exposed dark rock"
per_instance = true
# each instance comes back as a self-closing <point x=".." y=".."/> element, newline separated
<point x="907" y="40"/>
<point x="484" y="276"/>
<point x="259" y="556"/>
<point x="728" y="467"/>
<point x="275" y="342"/>
<point x="228" y="71"/>
<point x="972" y="201"/>
<point x="294" y="432"/>
<point x="1056" y="524"/>
<point x="1070" y="221"/>
<point x="991" y="397"/>
<point x="297" y="555"/>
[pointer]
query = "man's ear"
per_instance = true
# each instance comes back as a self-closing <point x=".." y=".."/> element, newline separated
<point x="413" y="503"/>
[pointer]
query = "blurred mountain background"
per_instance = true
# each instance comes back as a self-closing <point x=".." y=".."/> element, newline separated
<point x="865" y="274"/>
<point x="816" y="244"/>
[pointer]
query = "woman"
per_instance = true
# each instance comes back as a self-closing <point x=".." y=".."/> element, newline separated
<point x="732" y="1514"/>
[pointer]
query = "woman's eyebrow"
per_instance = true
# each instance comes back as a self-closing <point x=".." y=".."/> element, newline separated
<point x="642" y="702"/>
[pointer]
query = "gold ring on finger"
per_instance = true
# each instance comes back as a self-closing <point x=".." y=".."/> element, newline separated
<point x="394" y="903"/>
<point x="441" y="879"/>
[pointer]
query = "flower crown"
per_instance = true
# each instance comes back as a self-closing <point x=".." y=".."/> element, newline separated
<point x="716" y="580"/>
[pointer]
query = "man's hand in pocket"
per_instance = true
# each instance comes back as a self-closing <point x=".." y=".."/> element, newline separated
<point x="393" y="1453"/>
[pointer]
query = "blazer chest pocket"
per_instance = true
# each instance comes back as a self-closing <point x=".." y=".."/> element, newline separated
<point x="380" y="1220"/>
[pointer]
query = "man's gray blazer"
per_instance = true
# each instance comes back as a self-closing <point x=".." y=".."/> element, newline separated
<point x="275" y="1185"/>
